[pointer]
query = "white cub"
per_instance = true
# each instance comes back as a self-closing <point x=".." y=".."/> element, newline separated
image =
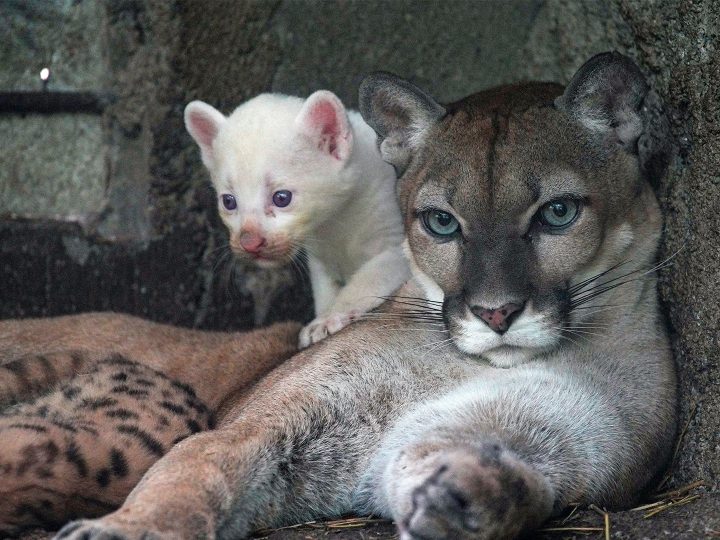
<point x="294" y="174"/>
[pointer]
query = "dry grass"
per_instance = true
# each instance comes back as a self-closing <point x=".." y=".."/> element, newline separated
<point x="333" y="525"/>
<point x="670" y="499"/>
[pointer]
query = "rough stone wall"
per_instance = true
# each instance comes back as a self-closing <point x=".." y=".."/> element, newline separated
<point x="149" y="241"/>
<point x="676" y="43"/>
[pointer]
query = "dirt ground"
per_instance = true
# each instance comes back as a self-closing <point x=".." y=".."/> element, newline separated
<point x="691" y="515"/>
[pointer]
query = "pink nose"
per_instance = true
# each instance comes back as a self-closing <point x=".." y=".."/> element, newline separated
<point x="499" y="319"/>
<point x="252" y="242"/>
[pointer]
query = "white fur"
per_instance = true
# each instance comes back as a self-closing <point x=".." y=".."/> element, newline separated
<point x="343" y="212"/>
<point x="528" y="336"/>
<point x="432" y="290"/>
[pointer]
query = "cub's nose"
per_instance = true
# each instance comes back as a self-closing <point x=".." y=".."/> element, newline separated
<point x="499" y="319"/>
<point x="252" y="242"/>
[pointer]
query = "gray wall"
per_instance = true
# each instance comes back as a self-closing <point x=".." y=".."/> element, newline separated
<point x="114" y="211"/>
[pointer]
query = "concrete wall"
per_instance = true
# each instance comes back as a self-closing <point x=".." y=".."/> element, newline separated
<point x="133" y="221"/>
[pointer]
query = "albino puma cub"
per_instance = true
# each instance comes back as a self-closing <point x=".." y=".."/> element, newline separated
<point x="306" y="175"/>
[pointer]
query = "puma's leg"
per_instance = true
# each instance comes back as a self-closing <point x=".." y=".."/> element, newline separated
<point x="187" y="494"/>
<point x="264" y="470"/>
<point x="482" y="492"/>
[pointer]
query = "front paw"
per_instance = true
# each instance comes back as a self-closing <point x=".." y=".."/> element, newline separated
<point x="322" y="327"/>
<point x="471" y="495"/>
<point x="96" y="529"/>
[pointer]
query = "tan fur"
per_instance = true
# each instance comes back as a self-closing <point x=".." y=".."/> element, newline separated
<point x="102" y="397"/>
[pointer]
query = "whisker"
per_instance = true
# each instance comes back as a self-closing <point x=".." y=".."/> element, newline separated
<point x="576" y="288"/>
<point x="418" y="320"/>
<point x="400" y="316"/>
<point x="438" y="345"/>
<point x="420" y="307"/>
<point x="571" y="340"/>
<point x="576" y="331"/>
<point x="606" y="306"/>
<point x="579" y="336"/>
<point x="412" y="313"/>
<point x="415" y="329"/>
<point x="418" y="298"/>
<point x="609" y="281"/>
<point x="600" y="288"/>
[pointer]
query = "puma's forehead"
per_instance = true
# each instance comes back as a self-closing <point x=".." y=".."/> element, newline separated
<point x="504" y="151"/>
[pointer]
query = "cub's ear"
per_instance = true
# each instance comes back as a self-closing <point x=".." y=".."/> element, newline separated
<point x="400" y="113"/>
<point x="324" y="121"/>
<point x="606" y="96"/>
<point x="203" y="122"/>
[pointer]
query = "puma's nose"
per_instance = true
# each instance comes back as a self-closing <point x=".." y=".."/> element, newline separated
<point x="499" y="319"/>
<point x="252" y="242"/>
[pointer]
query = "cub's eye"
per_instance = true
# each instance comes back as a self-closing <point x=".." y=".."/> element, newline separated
<point x="559" y="213"/>
<point x="282" y="198"/>
<point x="229" y="202"/>
<point x="440" y="223"/>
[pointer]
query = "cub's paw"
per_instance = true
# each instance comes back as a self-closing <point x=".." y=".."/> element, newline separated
<point x="471" y="495"/>
<point x="95" y="529"/>
<point x="322" y="327"/>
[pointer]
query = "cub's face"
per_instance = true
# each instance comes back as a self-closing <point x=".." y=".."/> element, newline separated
<point x="277" y="165"/>
<point x="515" y="204"/>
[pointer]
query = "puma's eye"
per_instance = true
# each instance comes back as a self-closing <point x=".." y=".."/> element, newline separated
<point x="229" y="202"/>
<point x="440" y="223"/>
<point x="282" y="198"/>
<point x="559" y="213"/>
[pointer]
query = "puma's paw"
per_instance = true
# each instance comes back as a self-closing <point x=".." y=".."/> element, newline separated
<point x="322" y="327"/>
<point x="95" y="529"/>
<point x="471" y="495"/>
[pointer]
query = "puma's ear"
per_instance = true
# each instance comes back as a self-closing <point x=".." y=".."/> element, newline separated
<point x="400" y="113"/>
<point x="203" y="122"/>
<point x="324" y="121"/>
<point x="606" y="96"/>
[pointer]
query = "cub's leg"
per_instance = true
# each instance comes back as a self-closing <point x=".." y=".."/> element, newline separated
<point x="80" y="449"/>
<point x="374" y="280"/>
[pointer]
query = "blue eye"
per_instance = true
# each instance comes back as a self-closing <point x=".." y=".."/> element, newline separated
<point x="282" y="198"/>
<point x="229" y="202"/>
<point x="440" y="223"/>
<point x="559" y="213"/>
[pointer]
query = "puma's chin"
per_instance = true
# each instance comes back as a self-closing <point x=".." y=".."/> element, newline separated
<point x="528" y="337"/>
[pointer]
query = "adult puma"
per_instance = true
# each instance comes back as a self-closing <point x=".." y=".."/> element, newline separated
<point x="524" y="366"/>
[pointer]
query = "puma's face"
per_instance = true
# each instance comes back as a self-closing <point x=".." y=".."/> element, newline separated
<point x="516" y="202"/>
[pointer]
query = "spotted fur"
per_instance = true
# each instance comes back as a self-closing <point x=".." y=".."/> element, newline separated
<point x="79" y="430"/>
